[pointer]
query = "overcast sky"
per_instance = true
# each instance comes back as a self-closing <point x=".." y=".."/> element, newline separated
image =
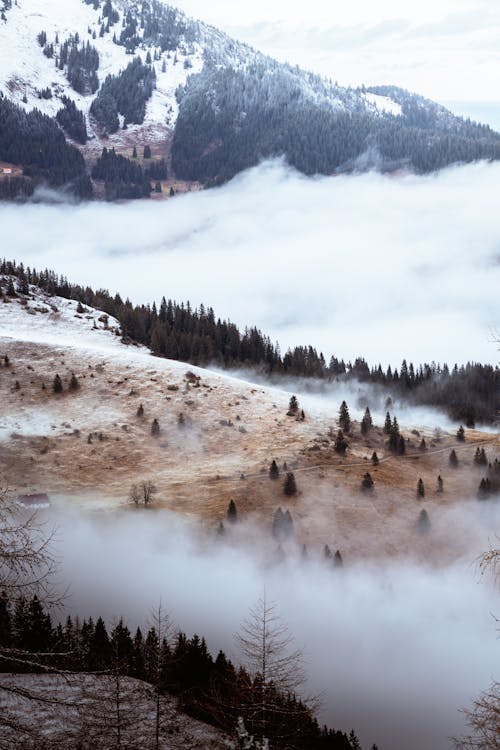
<point x="445" y="49"/>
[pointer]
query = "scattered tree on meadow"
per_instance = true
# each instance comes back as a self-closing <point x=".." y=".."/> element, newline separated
<point x="480" y="457"/>
<point x="367" y="482"/>
<point x="440" y="484"/>
<point x="344" y="418"/>
<point x="375" y="459"/>
<point x="282" y="526"/>
<point x="366" y="422"/>
<point x="453" y="460"/>
<point x="57" y="385"/>
<point x="461" y="434"/>
<point x="423" y="523"/>
<point x="274" y="471"/>
<point x="293" y="407"/>
<point x="74" y="385"/>
<point x="340" y="446"/>
<point x="289" y="485"/>
<point x="155" y="428"/>
<point x="140" y="411"/>
<point x="232" y="513"/>
<point x="420" y="488"/>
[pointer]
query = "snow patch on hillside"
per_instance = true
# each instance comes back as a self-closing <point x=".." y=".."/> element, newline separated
<point x="383" y="105"/>
<point x="25" y="70"/>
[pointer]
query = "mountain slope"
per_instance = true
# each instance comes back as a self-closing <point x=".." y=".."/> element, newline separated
<point x="87" y="446"/>
<point x="141" y="73"/>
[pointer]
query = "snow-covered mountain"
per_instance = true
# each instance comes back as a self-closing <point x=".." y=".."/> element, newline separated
<point x="126" y="74"/>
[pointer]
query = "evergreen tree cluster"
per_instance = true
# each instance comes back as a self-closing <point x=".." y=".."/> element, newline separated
<point x="178" y="331"/>
<point x="5" y="5"/>
<point x="80" y="64"/>
<point x="35" y="141"/>
<point x="125" y="94"/>
<point x="123" y="178"/>
<point x="72" y="120"/>
<point x="267" y="109"/>
<point x="208" y="689"/>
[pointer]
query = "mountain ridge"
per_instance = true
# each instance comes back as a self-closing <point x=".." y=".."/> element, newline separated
<point x="127" y="74"/>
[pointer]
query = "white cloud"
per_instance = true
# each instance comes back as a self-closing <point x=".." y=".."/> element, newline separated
<point x="354" y="265"/>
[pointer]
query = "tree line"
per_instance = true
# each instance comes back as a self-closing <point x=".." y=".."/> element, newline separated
<point x="36" y="141"/>
<point x="468" y="393"/>
<point x="209" y="689"/>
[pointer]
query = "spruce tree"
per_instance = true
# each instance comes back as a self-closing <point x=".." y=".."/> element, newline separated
<point x="232" y="513"/>
<point x="57" y="385"/>
<point x="366" y="422"/>
<point x="293" y="406"/>
<point x="375" y="460"/>
<point x="423" y="523"/>
<point x="289" y="485"/>
<point x="387" y="424"/>
<point x="274" y="471"/>
<point x="367" y="482"/>
<point x="344" y="418"/>
<point x="74" y="385"/>
<point x="341" y="444"/>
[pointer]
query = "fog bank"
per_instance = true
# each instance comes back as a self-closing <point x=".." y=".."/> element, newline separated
<point x="395" y="649"/>
<point x="368" y="265"/>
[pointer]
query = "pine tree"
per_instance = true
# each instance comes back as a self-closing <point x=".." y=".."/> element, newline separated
<point x="420" y="488"/>
<point x="423" y="523"/>
<point x="344" y="418"/>
<point x="341" y="444"/>
<point x="293" y="407"/>
<point x="366" y="422"/>
<point x="461" y="434"/>
<point x="274" y="471"/>
<point x="453" y="460"/>
<point x="232" y="513"/>
<point x="375" y="460"/>
<point x="367" y="482"/>
<point x="57" y="385"/>
<point x="387" y="424"/>
<point x="289" y="485"/>
<point x="74" y="385"/>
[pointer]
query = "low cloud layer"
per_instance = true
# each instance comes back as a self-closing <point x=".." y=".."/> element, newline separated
<point x="354" y="265"/>
<point x="395" y="649"/>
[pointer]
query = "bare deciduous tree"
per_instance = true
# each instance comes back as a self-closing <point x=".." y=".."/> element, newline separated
<point x="483" y="719"/>
<point x="275" y="666"/>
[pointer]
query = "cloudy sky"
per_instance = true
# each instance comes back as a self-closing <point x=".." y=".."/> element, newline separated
<point x="445" y="49"/>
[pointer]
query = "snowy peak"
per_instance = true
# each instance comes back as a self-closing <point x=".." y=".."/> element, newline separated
<point x="126" y="74"/>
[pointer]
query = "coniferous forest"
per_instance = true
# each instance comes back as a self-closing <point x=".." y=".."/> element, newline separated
<point x="209" y="689"/>
<point x="468" y="393"/>
<point x="36" y="141"/>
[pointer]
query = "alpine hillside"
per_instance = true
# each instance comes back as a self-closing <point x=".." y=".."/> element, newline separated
<point x="178" y="105"/>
